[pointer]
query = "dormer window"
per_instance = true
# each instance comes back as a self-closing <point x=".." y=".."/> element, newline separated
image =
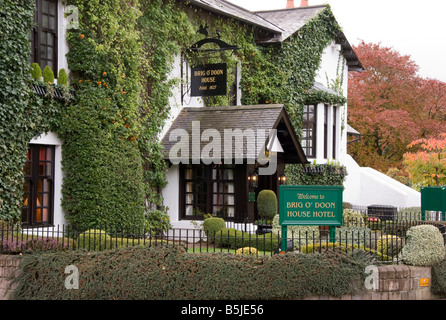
<point x="44" y="34"/>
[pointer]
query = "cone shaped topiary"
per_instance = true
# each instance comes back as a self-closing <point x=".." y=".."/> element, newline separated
<point x="36" y="72"/>
<point x="267" y="204"/>
<point x="48" y="75"/>
<point x="63" y="77"/>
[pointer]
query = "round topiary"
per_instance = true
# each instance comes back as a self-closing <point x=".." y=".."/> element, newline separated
<point x="247" y="251"/>
<point x="36" y="72"/>
<point x="62" y="79"/>
<point x="267" y="204"/>
<point x="212" y="225"/>
<point x="424" y="246"/>
<point x="94" y="239"/>
<point x="48" y="75"/>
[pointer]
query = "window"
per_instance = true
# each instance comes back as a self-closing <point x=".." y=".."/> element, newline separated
<point x="309" y="131"/>
<point x="44" y="34"/>
<point x="38" y="188"/>
<point x="209" y="189"/>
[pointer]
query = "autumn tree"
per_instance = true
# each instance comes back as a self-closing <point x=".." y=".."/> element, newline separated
<point x="426" y="163"/>
<point x="391" y="106"/>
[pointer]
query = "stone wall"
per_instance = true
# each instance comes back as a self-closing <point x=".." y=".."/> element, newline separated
<point x="9" y="264"/>
<point x="394" y="282"/>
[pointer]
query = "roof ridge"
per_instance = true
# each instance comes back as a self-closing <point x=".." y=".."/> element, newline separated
<point x="242" y="107"/>
<point x="291" y="9"/>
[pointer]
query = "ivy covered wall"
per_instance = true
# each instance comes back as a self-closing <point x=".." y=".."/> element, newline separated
<point x="23" y="115"/>
<point x="119" y="61"/>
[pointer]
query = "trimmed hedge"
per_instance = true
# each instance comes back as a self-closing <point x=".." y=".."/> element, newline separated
<point x="161" y="273"/>
<point x="235" y="239"/>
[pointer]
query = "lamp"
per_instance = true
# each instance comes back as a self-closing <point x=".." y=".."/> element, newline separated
<point x="282" y="179"/>
<point x="253" y="180"/>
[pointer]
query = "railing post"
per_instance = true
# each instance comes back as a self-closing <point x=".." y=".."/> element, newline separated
<point x="332" y="231"/>
<point x="284" y="238"/>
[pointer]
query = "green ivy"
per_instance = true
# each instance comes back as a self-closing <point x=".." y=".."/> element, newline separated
<point x="103" y="183"/>
<point x="23" y="115"/>
<point x="119" y="61"/>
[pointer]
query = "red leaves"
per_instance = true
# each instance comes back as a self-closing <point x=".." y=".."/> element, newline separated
<point x="392" y="106"/>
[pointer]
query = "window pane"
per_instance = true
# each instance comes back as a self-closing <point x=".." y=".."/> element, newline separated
<point x="45" y="215"/>
<point x="45" y="6"/>
<point x="189" y="210"/>
<point x="52" y="23"/>
<point x="52" y="8"/>
<point x="44" y="21"/>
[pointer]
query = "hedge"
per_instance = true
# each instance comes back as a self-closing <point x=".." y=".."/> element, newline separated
<point x="165" y="273"/>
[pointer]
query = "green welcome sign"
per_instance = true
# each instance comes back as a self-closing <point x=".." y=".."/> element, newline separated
<point x="310" y="206"/>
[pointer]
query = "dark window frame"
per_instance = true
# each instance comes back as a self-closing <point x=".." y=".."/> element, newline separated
<point x="309" y="131"/>
<point x="39" y="180"/>
<point x="197" y="190"/>
<point x="39" y="32"/>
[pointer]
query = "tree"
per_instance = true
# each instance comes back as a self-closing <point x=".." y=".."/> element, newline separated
<point x="427" y="164"/>
<point x="391" y="106"/>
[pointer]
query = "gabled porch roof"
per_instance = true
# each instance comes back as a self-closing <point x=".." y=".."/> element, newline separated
<point x="239" y="121"/>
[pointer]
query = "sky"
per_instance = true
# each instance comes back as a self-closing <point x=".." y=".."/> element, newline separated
<point x="411" y="27"/>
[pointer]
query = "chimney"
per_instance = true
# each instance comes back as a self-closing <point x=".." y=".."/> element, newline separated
<point x="289" y="4"/>
<point x="304" y="3"/>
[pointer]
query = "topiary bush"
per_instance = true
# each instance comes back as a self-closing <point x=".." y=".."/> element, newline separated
<point x="62" y="79"/>
<point x="48" y="75"/>
<point x="36" y="71"/>
<point x="94" y="239"/>
<point x="212" y="225"/>
<point x="424" y="246"/>
<point x="267" y="204"/>
<point x="247" y="251"/>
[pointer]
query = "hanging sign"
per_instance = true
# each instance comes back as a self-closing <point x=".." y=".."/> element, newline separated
<point x="209" y="80"/>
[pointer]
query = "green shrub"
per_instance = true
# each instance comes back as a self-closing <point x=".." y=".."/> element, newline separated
<point x="212" y="225"/>
<point x="390" y="245"/>
<point x="168" y="273"/>
<point x="409" y="214"/>
<point x="62" y="79"/>
<point x="321" y="247"/>
<point x="354" y="234"/>
<point x="298" y="234"/>
<point x="94" y="239"/>
<point x="439" y="278"/>
<point x="36" y="72"/>
<point x="247" y="251"/>
<point x="235" y="239"/>
<point x="48" y="75"/>
<point x="267" y="204"/>
<point x="351" y="217"/>
<point x="424" y="246"/>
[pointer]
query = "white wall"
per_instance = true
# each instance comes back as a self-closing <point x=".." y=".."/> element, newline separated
<point x="366" y="186"/>
<point x="333" y="65"/>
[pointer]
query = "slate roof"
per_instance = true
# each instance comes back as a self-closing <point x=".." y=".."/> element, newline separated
<point x="233" y="11"/>
<point x="290" y="20"/>
<point x="259" y="118"/>
<point x="293" y="19"/>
